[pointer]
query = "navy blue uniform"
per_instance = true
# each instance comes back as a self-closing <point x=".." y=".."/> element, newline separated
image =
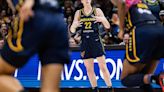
<point x="45" y="33"/>
<point x="146" y="35"/>
<point x="91" y="46"/>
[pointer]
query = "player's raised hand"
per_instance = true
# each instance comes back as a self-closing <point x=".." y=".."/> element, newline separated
<point x="98" y="19"/>
<point x="26" y="10"/>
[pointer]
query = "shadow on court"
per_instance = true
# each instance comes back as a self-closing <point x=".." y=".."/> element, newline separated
<point x="101" y="90"/>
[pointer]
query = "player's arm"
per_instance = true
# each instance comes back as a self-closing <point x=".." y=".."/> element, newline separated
<point x="101" y="18"/>
<point x="121" y="5"/>
<point x="11" y="6"/>
<point x="121" y="13"/>
<point x="26" y="10"/>
<point x="76" y="23"/>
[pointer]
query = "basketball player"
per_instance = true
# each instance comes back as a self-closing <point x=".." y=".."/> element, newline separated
<point x="40" y="27"/>
<point x="145" y="46"/>
<point x="89" y="18"/>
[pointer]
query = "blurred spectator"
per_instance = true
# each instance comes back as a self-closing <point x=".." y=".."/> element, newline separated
<point x="162" y="4"/>
<point x="77" y="3"/>
<point x="68" y="4"/>
<point x="115" y="27"/>
<point x="125" y="39"/>
<point x="3" y="30"/>
<point x="154" y="6"/>
<point x="68" y="8"/>
<point x="3" y="33"/>
<point x="161" y="14"/>
<point x="107" y="39"/>
<point x="3" y="5"/>
<point x="69" y="21"/>
<point x="106" y="6"/>
<point x="68" y="12"/>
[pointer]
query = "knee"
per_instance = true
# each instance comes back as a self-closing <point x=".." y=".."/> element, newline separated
<point x="133" y="80"/>
<point x="6" y="71"/>
<point x="125" y="81"/>
<point x="103" y="66"/>
<point x="5" y="68"/>
<point x="89" y="69"/>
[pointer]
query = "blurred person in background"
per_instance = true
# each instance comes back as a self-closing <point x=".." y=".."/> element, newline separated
<point x="145" y="45"/>
<point x="125" y="39"/>
<point x="115" y="27"/>
<point x="4" y="30"/>
<point x="68" y="8"/>
<point x="161" y="15"/>
<point x="154" y="6"/>
<point x="88" y="19"/>
<point x="68" y="12"/>
<point x="161" y="4"/>
<point x="106" y="6"/>
<point x="3" y="34"/>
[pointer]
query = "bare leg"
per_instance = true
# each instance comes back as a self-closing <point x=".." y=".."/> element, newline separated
<point x="138" y="74"/>
<point x="51" y="76"/>
<point x="150" y="69"/>
<point x="89" y="64"/>
<point x="131" y="69"/>
<point x="104" y="69"/>
<point x="7" y="82"/>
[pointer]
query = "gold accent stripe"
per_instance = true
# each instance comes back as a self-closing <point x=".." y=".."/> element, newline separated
<point x="79" y="14"/>
<point x="129" y="20"/>
<point x="87" y="14"/>
<point x="18" y="46"/>
<point x="95" y="12"/>
<point x="136" y="59"/>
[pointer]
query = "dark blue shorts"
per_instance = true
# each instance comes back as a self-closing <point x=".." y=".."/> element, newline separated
<point x="91" y="47"/>
<point x="146" y="43"/>
<point x="45" y="34"/>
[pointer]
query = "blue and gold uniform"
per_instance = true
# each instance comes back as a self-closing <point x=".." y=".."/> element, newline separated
<point x="91" y="46"/>
<point x="146" y="40"/>
<point x="41" y="34"/>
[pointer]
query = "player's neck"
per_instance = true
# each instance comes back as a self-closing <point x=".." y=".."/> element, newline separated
<point x="87" y="8"/>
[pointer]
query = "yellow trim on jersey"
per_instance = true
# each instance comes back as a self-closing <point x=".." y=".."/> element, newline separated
<point x="95" y="12"/>
<point x="87" y="19"/>
<point x="136" y="59"/>
<point x="18" y="46"/>
<point x="129" y="20"/>
<point x="143" y="6"/>
<point x="79" y="14"/>
<point x="89" y="13"/>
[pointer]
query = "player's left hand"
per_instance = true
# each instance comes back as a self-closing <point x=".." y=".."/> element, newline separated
<point x="98" y="19"/>
<point x="26" y="10"/>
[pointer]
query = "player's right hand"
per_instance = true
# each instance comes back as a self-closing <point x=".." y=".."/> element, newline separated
<point x="26" y="10"/>
<point x="78" y="24"/>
